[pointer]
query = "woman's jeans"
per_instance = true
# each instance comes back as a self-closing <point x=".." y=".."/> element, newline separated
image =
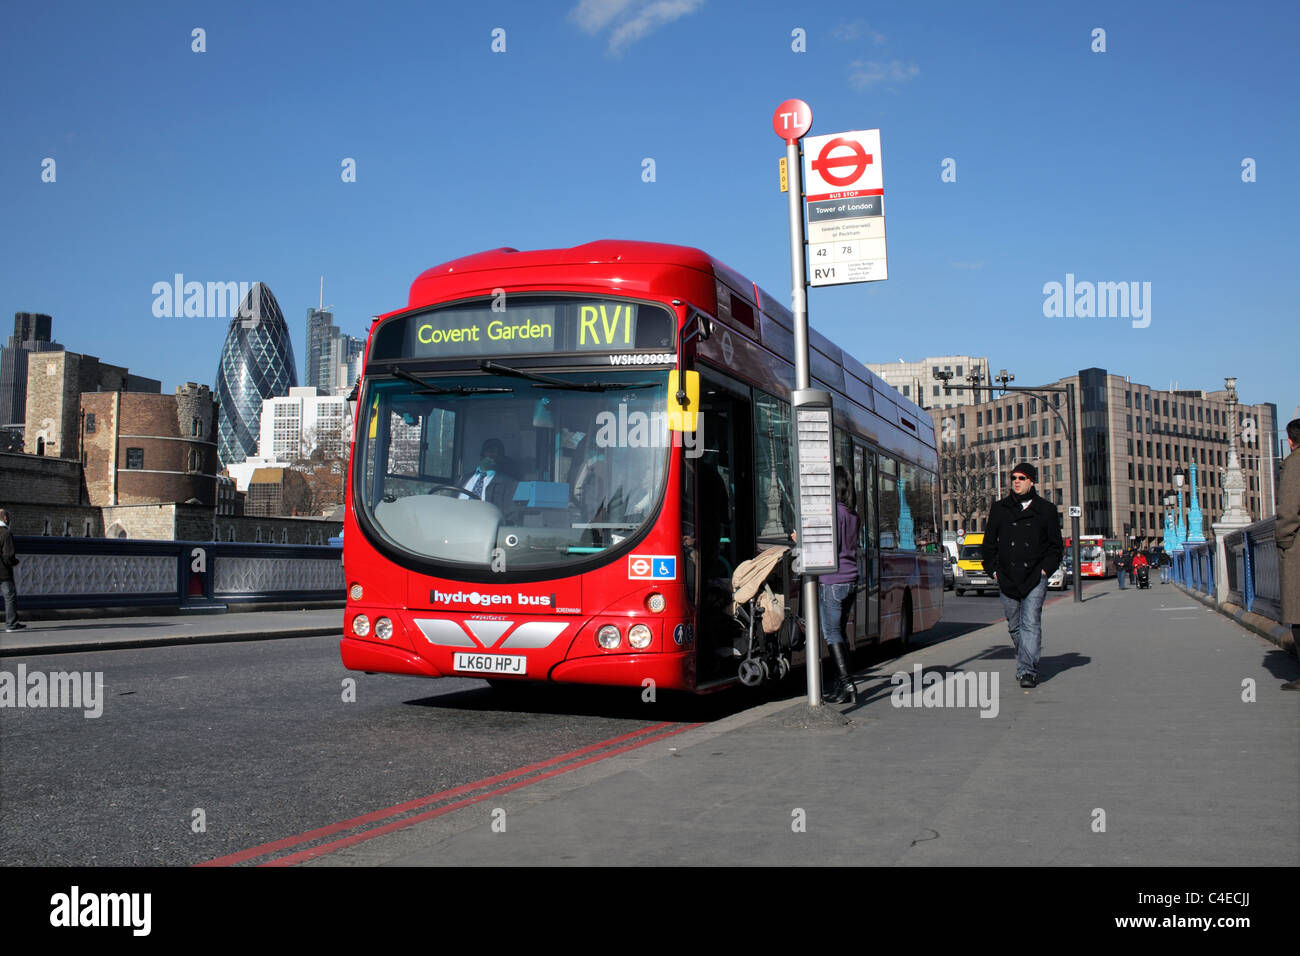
<point x="834" y="609"/>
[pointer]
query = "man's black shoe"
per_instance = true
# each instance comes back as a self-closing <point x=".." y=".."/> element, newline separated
<point x="1028" y="680"/>
<point x="17" y="627"/>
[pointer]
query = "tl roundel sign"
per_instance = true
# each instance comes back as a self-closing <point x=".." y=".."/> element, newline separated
<point x="843" y="164"/>
<point x="792" y="120"/>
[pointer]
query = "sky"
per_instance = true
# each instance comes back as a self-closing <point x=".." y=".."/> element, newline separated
<point x="1160" y="150"/>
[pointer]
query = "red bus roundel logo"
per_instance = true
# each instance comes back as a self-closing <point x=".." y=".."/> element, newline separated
<point x="792" y="120"/>
<point x="855" y="161"/>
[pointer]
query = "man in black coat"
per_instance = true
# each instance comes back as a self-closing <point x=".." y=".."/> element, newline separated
<point x="1022" y="547"/>
<point x="8" y="559"/>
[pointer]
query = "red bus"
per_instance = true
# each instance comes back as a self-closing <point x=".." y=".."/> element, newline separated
<point x="518" y="507"/>
<point x="1095" y="561"/>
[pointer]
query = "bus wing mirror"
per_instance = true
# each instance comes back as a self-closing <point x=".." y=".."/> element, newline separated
<point x="683" y="400"/>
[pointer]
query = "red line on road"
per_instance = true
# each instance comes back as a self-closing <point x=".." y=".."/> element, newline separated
<point x="331" y="847"/>
<point x="285" y="843"/>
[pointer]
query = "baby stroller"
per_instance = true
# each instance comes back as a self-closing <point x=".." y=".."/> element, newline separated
<point x="768" y="637"/>
<point x="1143" y="574"/>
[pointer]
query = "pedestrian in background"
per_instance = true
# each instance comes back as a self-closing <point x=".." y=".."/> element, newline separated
<point x="8" y="560"/>
<point x="1288" y="529"/>
<point x="1122" y="564"/>
<point x="1022" y="547"/>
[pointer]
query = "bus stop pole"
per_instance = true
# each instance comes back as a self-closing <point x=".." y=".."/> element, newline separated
<point x="808" y="602"/>
<point x="1074" y="493"/>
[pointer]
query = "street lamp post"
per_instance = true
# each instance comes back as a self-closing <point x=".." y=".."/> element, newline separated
<point x="1180" y="533"/>
<point x="1003" y="379"/>
<point x="1195" y="521"/>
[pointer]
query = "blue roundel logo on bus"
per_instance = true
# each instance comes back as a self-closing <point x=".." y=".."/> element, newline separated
<point x="684" y="635"/>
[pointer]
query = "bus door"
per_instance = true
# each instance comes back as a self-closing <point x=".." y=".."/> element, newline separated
<point x="868" y="591"/>
<point x="724" y="512"/>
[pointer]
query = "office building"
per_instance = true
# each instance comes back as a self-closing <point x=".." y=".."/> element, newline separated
<point x="333" y="357"/>
<point x="256" y="363"/>
<point x="1132" y="440"/>
<point x="32" y="332"/>
<point x="935" y="382"/>
<point x="306" y="422"/>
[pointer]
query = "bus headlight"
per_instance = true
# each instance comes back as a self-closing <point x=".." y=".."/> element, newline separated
<point x="639" y="636"/>
<point x="655" y="603"/>
<point x="355" y="592"/>
<point x="609" y="637"/>
<point x="361" y="625"/>
<point x="383" y="628"/>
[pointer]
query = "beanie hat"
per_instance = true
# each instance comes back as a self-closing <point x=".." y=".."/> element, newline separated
<point x="1026" y="469"/>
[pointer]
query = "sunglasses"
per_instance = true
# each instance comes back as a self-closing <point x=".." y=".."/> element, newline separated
<point x="1019" y="478"/>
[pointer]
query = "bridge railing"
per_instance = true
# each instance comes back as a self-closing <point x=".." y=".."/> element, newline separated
<point x="1254" y="582"/>
<point x="66" y="573"/>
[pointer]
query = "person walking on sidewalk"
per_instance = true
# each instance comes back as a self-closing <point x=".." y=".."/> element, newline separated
<point x="1286" y="534"/>
<point x="8" y="558"/>
<point x="1022" y="547"/>
<point x="836" y="591"/>
<point x="1122" y="566"/>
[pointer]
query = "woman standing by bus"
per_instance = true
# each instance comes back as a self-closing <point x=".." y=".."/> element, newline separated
<point x="836" y="591"/>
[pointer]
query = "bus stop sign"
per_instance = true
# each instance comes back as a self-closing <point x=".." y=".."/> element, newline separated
<point x="792" y="120"/>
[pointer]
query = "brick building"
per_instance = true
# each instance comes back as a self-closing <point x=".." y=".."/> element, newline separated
<point x="140" y="448"/>
<point x="275" y="491"/>
<point x="55" y="383"/>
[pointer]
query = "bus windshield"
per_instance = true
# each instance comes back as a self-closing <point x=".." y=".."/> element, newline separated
<point x="1092" y="552"/>
<point x="497" y="470"/>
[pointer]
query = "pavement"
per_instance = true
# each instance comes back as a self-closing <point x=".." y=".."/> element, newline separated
<point x="1157" y="736"/>
<point x="103" y="633"/>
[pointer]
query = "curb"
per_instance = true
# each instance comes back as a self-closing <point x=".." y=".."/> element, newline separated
<point x="161" y="640"/>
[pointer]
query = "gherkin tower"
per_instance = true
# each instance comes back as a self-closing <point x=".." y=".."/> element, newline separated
<point x="256" y="363"/>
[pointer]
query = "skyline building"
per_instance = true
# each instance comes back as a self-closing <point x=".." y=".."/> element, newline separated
<point x="333" y="359"/>
<point x="256" y="363"/>
<point x="32" y="333"/>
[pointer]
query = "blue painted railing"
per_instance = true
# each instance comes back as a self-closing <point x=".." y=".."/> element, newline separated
<point x="1253" y="580"/>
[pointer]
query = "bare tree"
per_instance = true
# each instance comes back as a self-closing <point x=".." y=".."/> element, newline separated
<point x="968" y="480"/>
<point x="323" y="465"/>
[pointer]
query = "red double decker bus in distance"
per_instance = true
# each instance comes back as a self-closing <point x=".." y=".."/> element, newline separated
<point x="519" y="507"/>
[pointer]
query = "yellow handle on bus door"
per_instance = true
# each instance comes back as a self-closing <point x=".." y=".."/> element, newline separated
<point x="682" y="414"/>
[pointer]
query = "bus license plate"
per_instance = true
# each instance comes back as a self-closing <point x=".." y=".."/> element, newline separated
<point x="515" y="664"/>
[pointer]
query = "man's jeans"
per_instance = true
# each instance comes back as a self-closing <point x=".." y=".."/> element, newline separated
<point x="1123" y="578"/>
<point x="1025" y="622"/>
<point x="834" y="598"/>
<point x="10" y="595"/>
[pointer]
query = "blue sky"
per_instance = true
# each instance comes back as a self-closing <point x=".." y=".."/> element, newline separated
<point x="1115" y="166"/>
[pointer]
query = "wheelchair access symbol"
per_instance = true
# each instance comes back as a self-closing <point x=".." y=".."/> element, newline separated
<point x="651" y="567"/>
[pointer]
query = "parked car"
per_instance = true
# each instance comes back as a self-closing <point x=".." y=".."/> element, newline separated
<point x="947" y="572"/>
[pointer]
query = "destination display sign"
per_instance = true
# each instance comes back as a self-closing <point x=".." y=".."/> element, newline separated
<point x="526" y="325"/>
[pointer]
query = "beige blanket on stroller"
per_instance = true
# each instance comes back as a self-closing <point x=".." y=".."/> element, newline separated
<point x="748" y="581"/>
